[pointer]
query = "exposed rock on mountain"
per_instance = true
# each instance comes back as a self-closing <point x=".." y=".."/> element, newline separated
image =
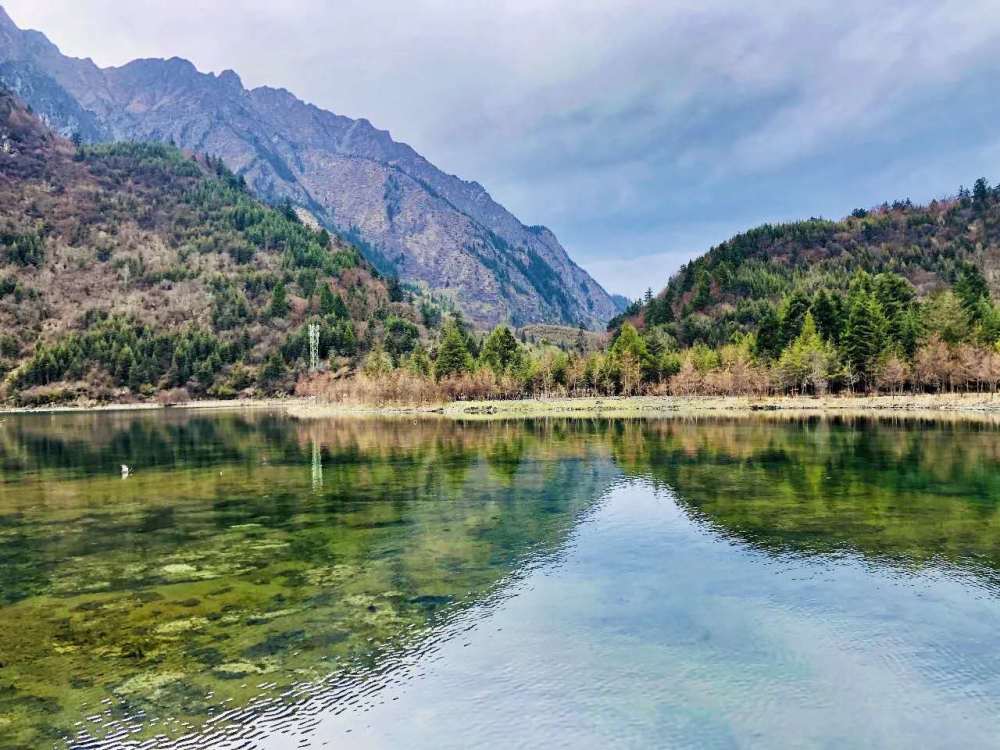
<point x="407" y="216"/>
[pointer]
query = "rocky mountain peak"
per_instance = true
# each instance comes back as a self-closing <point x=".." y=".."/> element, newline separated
<point x="430" y="228"/>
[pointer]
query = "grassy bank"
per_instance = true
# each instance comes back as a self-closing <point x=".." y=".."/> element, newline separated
<point x="654" y="406"/>
<point x="929" y="405"/>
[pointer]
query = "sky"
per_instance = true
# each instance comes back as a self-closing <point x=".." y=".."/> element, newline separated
<point x="641" y="133"/>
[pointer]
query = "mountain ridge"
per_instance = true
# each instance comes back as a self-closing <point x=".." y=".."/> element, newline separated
<point x="408" y="216"/>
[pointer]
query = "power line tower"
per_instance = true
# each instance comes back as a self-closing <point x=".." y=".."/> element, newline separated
<point x="314" y="346"/>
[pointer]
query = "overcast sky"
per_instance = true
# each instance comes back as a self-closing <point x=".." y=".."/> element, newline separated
<point x="642" y="133"/>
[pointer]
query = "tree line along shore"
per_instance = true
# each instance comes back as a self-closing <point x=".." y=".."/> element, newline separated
<point x="880" y="339"/>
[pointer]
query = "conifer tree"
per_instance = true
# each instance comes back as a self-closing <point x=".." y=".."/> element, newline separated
<point x="327" y="304"/>
<point x="453" y="354"/>
<point x="274" y="368"/>
<point x="895" y="295"/>
<point x="501" y="352"/>
<point x="418" y="362"/>
<point x="808" y="361"/>
<point x="768" y="345"/>
<point x="828" y="315"/>
<point x="279" y="301"/>
<point x="865" y="336"/>
<point x="972" y="289"/>
<point x="792" y="315"/>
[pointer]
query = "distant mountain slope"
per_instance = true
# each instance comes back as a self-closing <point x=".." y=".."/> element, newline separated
<point x="735" y="285"/>
<point x="129" y="269"/>
<point x="410" y="218"/>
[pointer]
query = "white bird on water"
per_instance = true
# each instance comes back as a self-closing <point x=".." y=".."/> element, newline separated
<point x="125" y="471"/>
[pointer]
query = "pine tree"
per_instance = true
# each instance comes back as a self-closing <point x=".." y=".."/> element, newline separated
<point x="946" y="317"/>
<point x="808" y="361"/>
<point x="279" y="301"/>
<point x="828" y="315"/>
<point x="658" y="312"/>
<point x="703" y="290"/>
<point x="501" y="352"/>
<point x="972" y="289"/>
<point x="400" y="337"/>
<point x="287" y="209"/>
<point x="895" y="295"/>
<point x="418" y="362"/>
<point x="910" y="331"/>
<point x="865" y="336"/>
<point x="981" y="193"/>
<point x="327" y="304"/>
<point x="768" y="345"/>
<point x="453" y="354"/>
<point x="396" y="292"/>
<point x="792" y="315"/>
<point x="274" y="368"/>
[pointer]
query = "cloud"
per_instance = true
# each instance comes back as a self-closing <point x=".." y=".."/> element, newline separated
<point x="635" y="129"/>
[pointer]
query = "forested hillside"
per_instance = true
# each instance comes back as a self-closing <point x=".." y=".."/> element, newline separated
<point x="129" y="270"/>
<point x="740" y="284"/>
<point x="900" y="295"/>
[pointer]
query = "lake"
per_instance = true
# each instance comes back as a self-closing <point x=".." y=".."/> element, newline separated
<point x="262" y="582"/>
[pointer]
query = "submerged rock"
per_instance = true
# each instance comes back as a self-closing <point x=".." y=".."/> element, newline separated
<point x="147" y="684"/>
<point x="176" y="627"/>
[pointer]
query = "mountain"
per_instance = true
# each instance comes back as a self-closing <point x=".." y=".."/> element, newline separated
<point x="409" y="218"/>
<point x="128" y="270"/>
<point x="740" y="284"/>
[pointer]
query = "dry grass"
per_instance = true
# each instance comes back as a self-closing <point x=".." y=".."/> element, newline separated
<point x="977" y="407"/>
<point x="403" y="388"/>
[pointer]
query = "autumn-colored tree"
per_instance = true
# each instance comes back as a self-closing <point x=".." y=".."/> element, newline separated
<point x="687" y="381"/>
<point x="893" y="374"/>
<point x="932" y="364"/>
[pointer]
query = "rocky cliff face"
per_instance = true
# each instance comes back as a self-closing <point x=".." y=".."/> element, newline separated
<point x="409" y="217"/>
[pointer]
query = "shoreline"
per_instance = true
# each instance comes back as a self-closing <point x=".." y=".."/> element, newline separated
<point x="929" y="405"/>
<point x="977" y="405"/>
<point x="208" y="404"/>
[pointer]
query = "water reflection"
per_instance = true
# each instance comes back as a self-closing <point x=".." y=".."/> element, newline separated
<point x="252" y="562"/>
<point x="902" y="492"/>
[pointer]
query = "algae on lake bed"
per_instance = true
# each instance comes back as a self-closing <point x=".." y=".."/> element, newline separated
<point x="186" y="587"/>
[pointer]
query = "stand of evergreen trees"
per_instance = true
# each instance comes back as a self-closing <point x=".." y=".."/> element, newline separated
<point x="879" y="337"/>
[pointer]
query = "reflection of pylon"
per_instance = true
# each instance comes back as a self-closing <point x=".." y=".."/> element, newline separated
<point x="317" y="467"/>
<point x="314" y="346"/>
